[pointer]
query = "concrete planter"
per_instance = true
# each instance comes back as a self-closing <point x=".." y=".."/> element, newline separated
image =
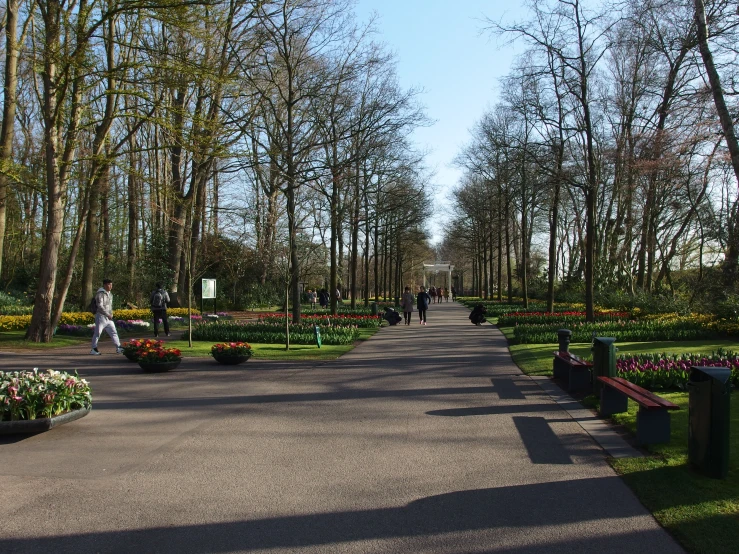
<point x="40" y="425"/>
<point x="231" y="360"/>
<point x="159" y="367"/>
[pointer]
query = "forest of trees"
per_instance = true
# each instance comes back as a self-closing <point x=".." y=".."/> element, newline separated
<point x="609" y="165"/>
<point x="265" y="143"/>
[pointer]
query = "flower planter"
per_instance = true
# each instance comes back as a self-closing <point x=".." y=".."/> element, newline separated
<point x="131" y="356"/>
<point x="231" y="360"/>
<point x="39" y="425"/>
<point x="158" y="367"/>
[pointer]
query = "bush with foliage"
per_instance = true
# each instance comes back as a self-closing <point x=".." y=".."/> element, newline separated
<point x="11" y="305"/>
<point x="36" y="394"/>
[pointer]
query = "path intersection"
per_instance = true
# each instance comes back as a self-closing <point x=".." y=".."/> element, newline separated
<point x="422" y="439"/>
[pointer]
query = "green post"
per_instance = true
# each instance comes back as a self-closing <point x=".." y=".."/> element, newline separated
<point x="604" y="359"/>
<point x="317" y="333"/>
<point x="709" y="414"/>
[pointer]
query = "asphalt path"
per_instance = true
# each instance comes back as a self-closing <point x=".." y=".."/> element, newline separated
<point x="422" y="439"/>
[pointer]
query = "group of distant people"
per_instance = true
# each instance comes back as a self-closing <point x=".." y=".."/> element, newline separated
<point x="422" y="301"/>
<point x="438" y="294"/>
<point x="321" y="297"/>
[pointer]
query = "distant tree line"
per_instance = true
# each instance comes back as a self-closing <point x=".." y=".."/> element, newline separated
<point x="163" y="140"/>
<point x="610" y="161"/>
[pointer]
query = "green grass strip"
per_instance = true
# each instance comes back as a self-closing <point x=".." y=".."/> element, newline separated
<point x="702" y="513"/>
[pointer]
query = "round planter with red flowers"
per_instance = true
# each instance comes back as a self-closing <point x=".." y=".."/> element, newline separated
<point x="131" y="348"/>
<point x="156" y="359"/>
<point x="231" y="353"/>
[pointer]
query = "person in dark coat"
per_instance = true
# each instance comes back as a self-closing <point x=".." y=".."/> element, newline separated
<point x="158" y="302"/>
<point x="323" y="298"/>
<point x="422" y="303"/>
<point x="407" y="302"/>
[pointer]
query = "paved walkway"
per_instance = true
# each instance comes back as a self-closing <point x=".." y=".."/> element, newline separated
<point x="422" y="439"/>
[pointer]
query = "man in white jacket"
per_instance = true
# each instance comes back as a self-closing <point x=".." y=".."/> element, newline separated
<point x="104" y="318"/>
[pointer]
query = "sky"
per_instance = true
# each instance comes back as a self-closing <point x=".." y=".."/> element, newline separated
<point x="442" y="48"/>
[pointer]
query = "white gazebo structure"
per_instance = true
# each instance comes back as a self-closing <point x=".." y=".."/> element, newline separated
<point x="436" y="267"/>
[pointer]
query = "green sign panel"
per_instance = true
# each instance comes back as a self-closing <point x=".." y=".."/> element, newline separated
<point x="317" y="332"/>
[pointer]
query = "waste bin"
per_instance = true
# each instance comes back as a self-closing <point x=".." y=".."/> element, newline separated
<point x="604" y="360"/>
<point x="709" y="407"/>
<point x="375" y="311"/>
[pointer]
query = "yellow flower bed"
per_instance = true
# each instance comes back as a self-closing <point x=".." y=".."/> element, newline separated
<point x="14" y="322"/>
<point x="20" y="322"/>
<point x="674" y="316"/>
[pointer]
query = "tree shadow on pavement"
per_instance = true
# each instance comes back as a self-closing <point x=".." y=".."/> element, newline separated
<point x="498" y="510"/>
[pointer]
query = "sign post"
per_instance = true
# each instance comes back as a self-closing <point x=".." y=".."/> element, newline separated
<point x="209" y="291"/>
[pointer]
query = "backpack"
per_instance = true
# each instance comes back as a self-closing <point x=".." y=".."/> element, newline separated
<point x="157" y="300"/>
<point x="92" y="307"/>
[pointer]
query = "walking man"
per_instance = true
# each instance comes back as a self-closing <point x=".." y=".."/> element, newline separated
<point x="104" y="318"/>
<point x="158" y="303"/>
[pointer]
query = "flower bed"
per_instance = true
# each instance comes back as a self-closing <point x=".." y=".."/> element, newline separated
<point x="273" y="333"/>
<point x="20" y="322"/>
<point x="668" y="371"/>
<point x="346" y="309"/>
<point x="133" y="346"/>
<point x="497" y="309"/>
<point x="363" y="321"/>
<point x="133" y="325"/>
<point x="74" y="330"/>
<point x="683" y="328"/>
<point x="558" y="318"/>
<point x="158" y="354"/>
<point x="26" y="395"/>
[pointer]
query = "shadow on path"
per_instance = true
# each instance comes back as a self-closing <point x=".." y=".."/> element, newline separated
<point x="526" y="506"/>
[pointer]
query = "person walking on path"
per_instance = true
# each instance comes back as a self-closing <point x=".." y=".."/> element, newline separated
<point x="312" y="298"/>
<point x="446" y="294"/>
<point x="158" y="302"/>
<point x="422" y="303"/>
<point x="432" y="294"/>
<point x="104" y="318"/>
<point x="323" y="298"/>
<point x="407" y="304"/>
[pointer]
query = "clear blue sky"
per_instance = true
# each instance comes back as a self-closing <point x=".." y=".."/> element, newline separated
<point x="441" y="48"/>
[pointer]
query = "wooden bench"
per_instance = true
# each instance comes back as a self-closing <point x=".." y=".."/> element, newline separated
<point x="653" y="419"/>
<point x="576" y="372"/>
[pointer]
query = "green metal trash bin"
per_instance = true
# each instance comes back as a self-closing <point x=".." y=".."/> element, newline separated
<point x="375" y="310"/>
<point x="604" y="359"/>
<point x="709" y="407"/>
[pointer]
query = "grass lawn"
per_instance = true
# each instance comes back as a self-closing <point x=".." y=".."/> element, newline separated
<point x="13" y="340"/>
<point x="702" y="513"/>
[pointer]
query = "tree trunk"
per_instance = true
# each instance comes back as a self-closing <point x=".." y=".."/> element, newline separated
<point x="10" y="99"/>
<point x="727" y="125"/>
